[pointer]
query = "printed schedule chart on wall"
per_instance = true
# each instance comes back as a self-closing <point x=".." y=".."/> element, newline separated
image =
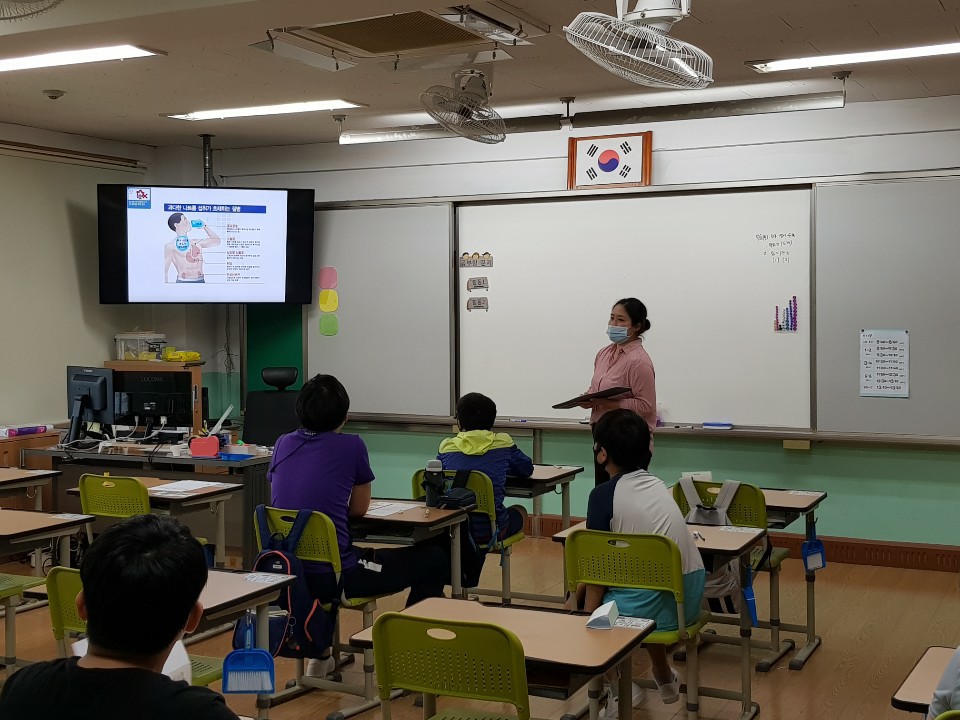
<point x="884" y="363"/>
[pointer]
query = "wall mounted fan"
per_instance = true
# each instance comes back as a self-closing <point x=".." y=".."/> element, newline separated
<point x="636" y="45"/>
<point x="464" y="108"/>
<point x="11" y="10"/>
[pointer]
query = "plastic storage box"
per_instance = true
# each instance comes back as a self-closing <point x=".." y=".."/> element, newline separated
<point x="139" y="345"/>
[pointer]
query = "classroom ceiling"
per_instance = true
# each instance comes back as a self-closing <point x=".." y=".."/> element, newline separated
<point x="209" y="64"/>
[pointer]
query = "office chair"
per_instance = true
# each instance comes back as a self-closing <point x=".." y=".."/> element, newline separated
<point x="271" y="413"/>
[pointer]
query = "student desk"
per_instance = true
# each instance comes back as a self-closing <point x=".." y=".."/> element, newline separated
<point x="783" y="508"/>
<point x="556" y="645"/>
<point x="228" y="595"/>
<point x="252" y="474"/>
<point x="173" y="502"/>
<point x="412" y="526"/>
<point x="916" y="691"/>
<point x="543" y="480"/>
<point x="23" y="531"/>
<point x="15" y="479"/>
<point x="732" y="542"/>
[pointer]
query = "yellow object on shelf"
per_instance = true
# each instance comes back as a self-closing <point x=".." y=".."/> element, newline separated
<point x="182" y="356"/>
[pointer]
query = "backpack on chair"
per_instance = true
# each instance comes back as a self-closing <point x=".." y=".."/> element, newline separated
<point x="299" y="625"/>
<point x="721" y="590"/>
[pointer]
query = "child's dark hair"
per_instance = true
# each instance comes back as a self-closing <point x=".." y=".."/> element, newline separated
<point x="476" y="412"/>
<point x="323" y="404"/>
<point x="141" y="579"/>
<point x="637" y="312"/>
<point x="626" y="438"/>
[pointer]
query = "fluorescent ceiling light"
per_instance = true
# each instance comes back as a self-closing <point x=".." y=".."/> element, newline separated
<point x="765" y="66"/>
<point x="74" y="57"/>
<point x="298" y="107"/>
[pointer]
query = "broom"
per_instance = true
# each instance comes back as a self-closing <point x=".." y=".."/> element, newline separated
<point x="249" y="669"/>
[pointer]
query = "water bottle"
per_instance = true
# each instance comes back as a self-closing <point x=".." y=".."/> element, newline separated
<point x="433" y="480"/>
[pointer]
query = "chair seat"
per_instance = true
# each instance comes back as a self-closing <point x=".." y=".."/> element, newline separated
<point x="508" y="541"/>
<point x="206" y="670"/>
<point x="360" y="601"/>
<point x="469" y="714"/>
<point x="777" y="556"/>
<point x="12" y="585"/>
<point x="670" y="637"/>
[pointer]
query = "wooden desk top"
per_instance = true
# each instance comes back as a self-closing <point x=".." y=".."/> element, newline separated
<point x="419" y="515"/>
<point x="916" y="691"/>
<point x="551" y="473"/>
<point x="226" y="592"/>
<point x="716" y="539"/>
<point x="16" y="524"/>
<point x="140" y="454"/>
<point x="801" y="501"/>
<point x="10" y="476"/>
<point x="553" y="639"/>
<point x="211" y="493"/>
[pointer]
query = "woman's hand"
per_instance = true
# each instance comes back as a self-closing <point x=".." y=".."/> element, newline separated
<point x="605" y="405"/>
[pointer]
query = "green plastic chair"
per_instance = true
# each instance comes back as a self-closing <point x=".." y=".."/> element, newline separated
<point x="948" y="715"/>
<point x="11" y="590"/>
<point x="477" y="661"/>
<point x="63" y="586"/>
<point x="646" y="562"/>
<point x="318" y="543"/>
<point x="482" y="486"/>
<point x="749" y="509"/>
<point x="113" y="496"/>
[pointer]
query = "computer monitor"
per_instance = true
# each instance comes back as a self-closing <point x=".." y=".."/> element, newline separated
<point x="89" y="398"/>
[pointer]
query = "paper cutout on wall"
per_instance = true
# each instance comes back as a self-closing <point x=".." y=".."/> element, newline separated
<point x="329" y="325"/>
<point x="476" y="260"/>
<point x="327" y="278"/>
<point x="478" y="303"/>
<point x="478" y="283"/>
<point x="329" y="301"/>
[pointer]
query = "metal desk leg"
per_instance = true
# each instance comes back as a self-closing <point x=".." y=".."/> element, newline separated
<point x="220" y="551"/>
<point x="594" y="690"/>
<point x="455" y="587"/>
<point x="564" y="505"/>
<point x="263" y="642"/>
<point x="625" y="689"/>
<point x="537" y="514"/>
<point x="38" y="553"/>
<point x="813" y="641"/>
<point x="749" y="709"/>
<point x="64" y="541"/>
<point x="10" y="649"/>
<point x="256" y="491"/>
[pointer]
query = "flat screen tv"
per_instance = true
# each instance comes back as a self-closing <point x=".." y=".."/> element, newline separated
<point x="162" y="244"/>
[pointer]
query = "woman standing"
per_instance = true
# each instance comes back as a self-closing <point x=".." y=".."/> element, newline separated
<point x="624" y="363"/>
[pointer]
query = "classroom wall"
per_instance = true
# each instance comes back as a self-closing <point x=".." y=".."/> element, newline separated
<point x="896" y="494"/>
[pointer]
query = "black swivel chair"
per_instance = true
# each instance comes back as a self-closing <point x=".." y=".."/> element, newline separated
<point x="271" y="413"/>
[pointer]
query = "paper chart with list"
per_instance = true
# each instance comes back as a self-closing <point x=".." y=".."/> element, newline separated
<point x="884" y="363"/>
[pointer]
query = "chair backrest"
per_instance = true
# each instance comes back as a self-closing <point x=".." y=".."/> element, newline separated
<point x="318" y="542"/>
<point x="478" y="481"/>
<point x="949" y="715"/>
<point x="625" y="560"/>
<point x="63" y="586"/>
<point x="113" y="496"/>
<point x="462" y="659"/>
<point x="747" y="509"/>
<point x="268" y="415"/>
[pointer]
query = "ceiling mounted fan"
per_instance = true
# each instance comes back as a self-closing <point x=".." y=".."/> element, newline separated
<point x="464" y="108"/>
<point x="636" y="45"/>
<point x="13" y="10"/>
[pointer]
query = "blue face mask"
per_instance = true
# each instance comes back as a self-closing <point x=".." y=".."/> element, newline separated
<point x="617" y="333"/>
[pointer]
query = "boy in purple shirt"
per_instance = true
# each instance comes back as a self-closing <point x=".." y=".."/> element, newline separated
<point x="320" y="468"/>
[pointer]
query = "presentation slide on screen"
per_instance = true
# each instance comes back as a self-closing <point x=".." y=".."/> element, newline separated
<point x="206" y="245"/>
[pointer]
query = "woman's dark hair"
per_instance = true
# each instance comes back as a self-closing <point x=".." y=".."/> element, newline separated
<point x="141" y="579"/>
<point x="637" y="312"/>
<point x="322" y="404"/>
<point x="476" y="412"/>
<point x="626" y="438"/>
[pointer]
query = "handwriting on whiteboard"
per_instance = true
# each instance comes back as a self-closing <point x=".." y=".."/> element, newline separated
<point x="776" y="246"/>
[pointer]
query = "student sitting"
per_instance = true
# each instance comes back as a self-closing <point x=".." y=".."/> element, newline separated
<point x="318" y="467"/>
<point x="947" y="695"/>
<point x="141" y="583"/>
<point x="477" y="447"/>
<point x="634" y="501"/>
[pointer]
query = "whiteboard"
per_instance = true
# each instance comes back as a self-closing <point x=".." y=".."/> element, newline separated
<point x="887" y="258"/>
<point x="708" y="267"/>
<point x="392" y="348"/>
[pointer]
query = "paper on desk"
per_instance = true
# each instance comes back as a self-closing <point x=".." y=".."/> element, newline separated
<point x="186" y="486"/>
<point x="736" y="529"/>
<point x="382" y="509"/>
<point x="177" y="666"/>
<point x="802" y="492"/>
<point x="633" y="623"/>
<point x="604" y="617"/>
<point x="171" y="494"/>
<point x="69" y="516"/>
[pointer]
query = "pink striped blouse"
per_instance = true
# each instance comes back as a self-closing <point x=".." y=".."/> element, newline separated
<point x="629" y="366"/>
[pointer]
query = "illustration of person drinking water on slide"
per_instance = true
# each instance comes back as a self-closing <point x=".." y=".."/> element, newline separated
<point x="184" y="254"/>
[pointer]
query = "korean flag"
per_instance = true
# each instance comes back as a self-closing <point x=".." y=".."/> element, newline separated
<point x="609" y="161"/>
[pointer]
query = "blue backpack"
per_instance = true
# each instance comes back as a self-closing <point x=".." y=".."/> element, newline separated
<point x="299" y="625"/>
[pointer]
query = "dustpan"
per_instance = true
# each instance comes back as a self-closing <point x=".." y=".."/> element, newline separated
<point x="814" y="555"/>
<point x="249" y="669"/>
